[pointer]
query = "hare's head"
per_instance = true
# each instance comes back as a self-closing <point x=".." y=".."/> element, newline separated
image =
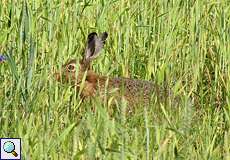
<point x="93" y="47"/>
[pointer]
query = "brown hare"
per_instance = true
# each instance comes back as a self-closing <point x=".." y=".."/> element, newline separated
<point x="134" y="91"/>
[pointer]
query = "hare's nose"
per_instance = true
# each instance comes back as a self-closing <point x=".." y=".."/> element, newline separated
<point x="57" y="76"/>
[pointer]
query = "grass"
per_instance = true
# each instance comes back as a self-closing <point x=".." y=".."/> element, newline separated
<point x="184" y="43"/>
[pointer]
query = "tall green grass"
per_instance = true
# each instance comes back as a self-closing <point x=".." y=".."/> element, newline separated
<point x="184" y="43"/>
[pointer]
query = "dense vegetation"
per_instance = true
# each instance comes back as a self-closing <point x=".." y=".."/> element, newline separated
<point x="184" y="43"/>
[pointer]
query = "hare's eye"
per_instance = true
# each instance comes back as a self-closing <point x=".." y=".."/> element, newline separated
<point x="71" y="67"/>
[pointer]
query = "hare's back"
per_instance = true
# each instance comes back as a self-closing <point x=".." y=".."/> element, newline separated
<point x="133" y="87"/>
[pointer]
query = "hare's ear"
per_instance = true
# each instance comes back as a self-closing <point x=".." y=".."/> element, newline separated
<point x="94" y="45"/>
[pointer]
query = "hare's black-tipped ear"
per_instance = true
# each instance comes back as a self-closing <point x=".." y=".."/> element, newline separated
<point x="104" y="36"/>
<point x="94" y="45"/>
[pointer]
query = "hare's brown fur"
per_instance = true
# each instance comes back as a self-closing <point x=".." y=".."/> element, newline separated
<point x="134" y="91"/>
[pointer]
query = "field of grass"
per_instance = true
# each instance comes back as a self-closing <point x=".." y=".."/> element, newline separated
<point x="184" y="43"/>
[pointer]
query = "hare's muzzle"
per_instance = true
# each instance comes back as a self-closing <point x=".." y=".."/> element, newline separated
<point x="65" y="77"/>
<point x="60" y="77"/>
<point x="57" y="76"/>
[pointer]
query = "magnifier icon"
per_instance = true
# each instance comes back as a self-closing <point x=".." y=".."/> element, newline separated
<point x="9" y="147"/>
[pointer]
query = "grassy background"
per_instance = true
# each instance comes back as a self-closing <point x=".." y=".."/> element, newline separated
<point x="184" y="43"/>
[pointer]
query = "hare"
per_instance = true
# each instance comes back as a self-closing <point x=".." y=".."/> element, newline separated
<point x="134" y="91"/>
